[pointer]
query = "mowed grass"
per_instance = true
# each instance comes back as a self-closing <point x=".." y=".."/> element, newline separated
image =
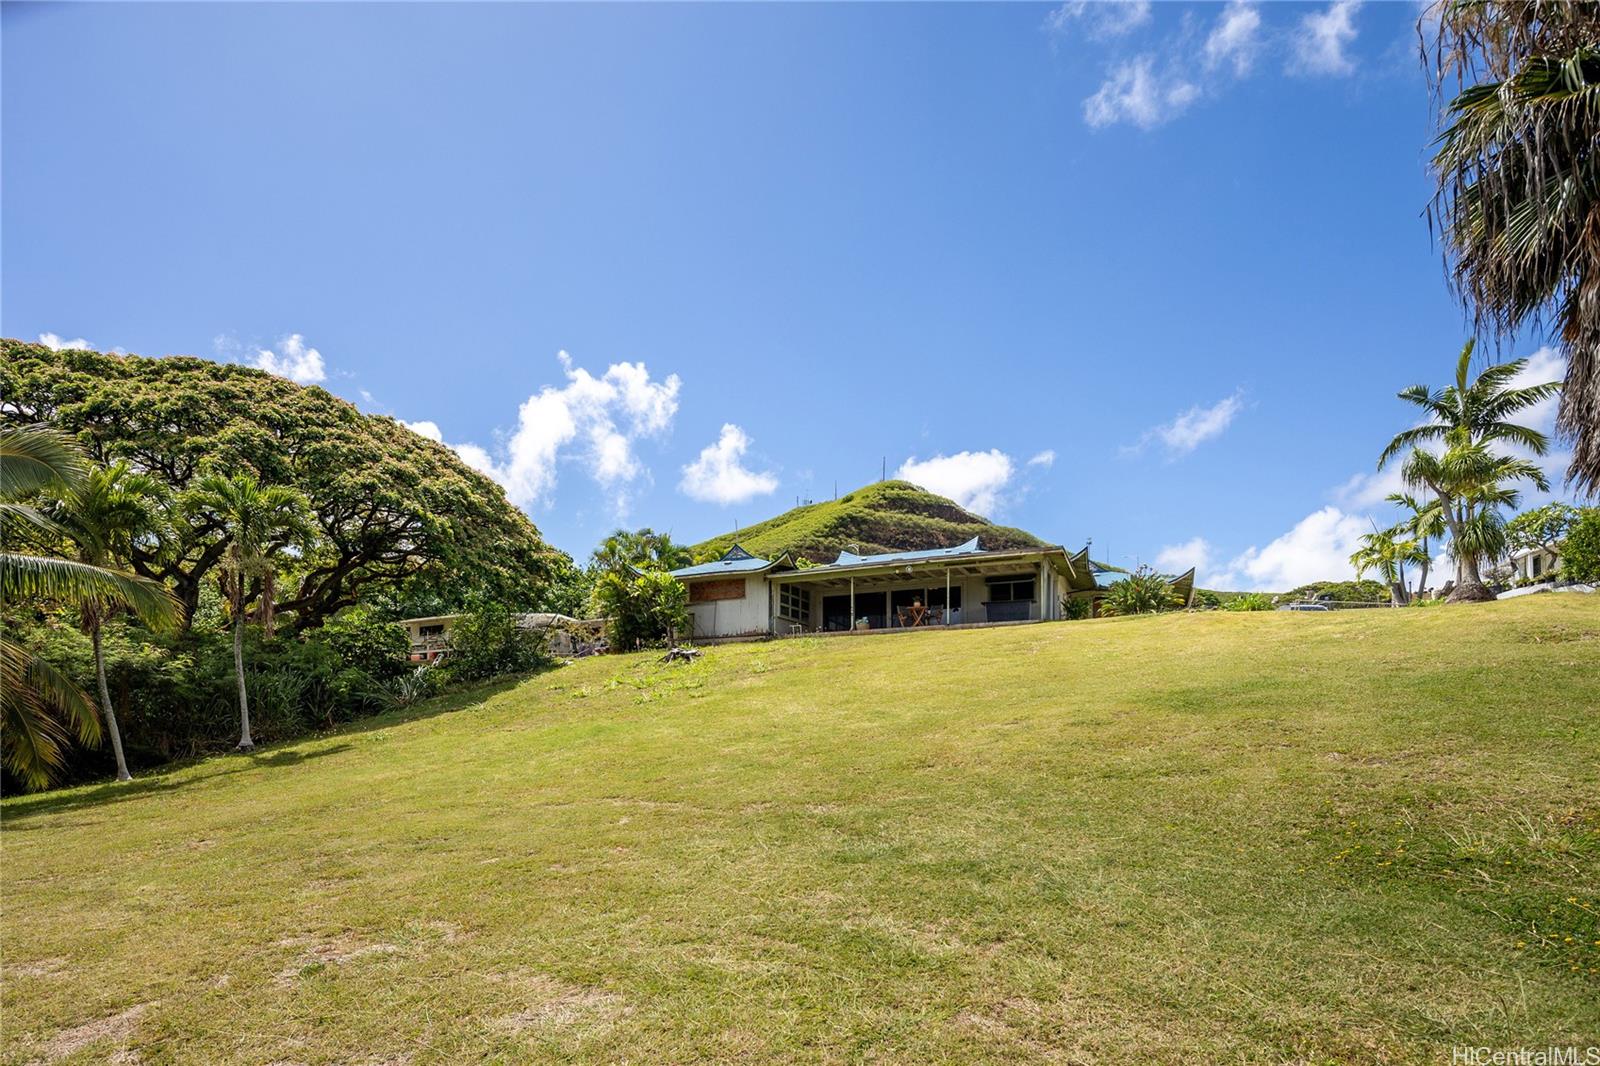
<point x="1226" y="837"/>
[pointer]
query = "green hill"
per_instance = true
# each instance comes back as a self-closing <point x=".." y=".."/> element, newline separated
<point x="1213" y="837"/>
<point x="882" y="517"/>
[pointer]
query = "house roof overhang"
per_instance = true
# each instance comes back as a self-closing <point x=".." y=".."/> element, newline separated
<point x="1073" y="568"/>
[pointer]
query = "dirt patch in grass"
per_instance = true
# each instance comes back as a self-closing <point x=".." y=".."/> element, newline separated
<point x="37" y="968"/>
<point x="551" y="1003"/>
<point x="117" y="1027"/>
<point x="319" y="954"/>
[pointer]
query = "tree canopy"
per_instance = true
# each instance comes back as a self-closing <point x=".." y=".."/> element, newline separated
<point x="391" y="510"/>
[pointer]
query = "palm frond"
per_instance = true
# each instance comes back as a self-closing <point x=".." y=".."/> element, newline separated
<point x="1410" y="439"/>
<point x="32" y="576"/>
<point x="34" y="700"/>
<point x="35" y="458"/>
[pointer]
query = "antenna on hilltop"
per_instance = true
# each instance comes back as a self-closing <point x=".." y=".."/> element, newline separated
<point x="884" y="474"/>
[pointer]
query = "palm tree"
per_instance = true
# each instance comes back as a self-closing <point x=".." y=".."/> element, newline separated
<point x="258" y="520"/>
<point x="1424" y="523"/>
<point x="39" y="705"/>
<point x="1476" y="411"/>
<point x="104" y="513"/>
<point x="1518" y="195"/>
<point x="1383" y="551"/>
<point x="1471" y="484"/>
<point x="625" y="551"/>
<point x="1466" y="416"/>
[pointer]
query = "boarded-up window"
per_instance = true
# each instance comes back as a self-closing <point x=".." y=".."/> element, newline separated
<point x="706" y="591"/>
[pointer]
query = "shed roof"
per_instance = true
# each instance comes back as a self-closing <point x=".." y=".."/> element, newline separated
<point x="735" y="561"/>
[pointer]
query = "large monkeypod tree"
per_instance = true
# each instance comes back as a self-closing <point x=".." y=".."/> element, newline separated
<point x="392" y="512"/>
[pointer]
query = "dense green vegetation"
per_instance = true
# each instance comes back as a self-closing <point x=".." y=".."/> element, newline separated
<point x="1581" y="554"/>
<point x="40" y="708"/>
<point x="882" y="517"/>
<point x="1348" y="837"/>
<point x="1364" y="591"/>
<point x="269" y="511"/>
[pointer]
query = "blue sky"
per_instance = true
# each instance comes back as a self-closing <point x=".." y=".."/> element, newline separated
<point x="1149" y="274"/>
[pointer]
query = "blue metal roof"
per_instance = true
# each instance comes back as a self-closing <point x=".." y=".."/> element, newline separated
<point x="736" y="561"/>
<point x="852" y="559"/>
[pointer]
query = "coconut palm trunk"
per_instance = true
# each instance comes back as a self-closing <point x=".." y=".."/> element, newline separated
<point x="105" y="703"/>
<point x="1422" y="579"/>
<point x="1469" y="582"/>
<point x="245" y="743"/>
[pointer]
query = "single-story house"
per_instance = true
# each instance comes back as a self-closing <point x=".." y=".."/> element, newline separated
<point x="1529" y="565"/>
<point x="744" y="596"/>
<point x="567" y="636"/>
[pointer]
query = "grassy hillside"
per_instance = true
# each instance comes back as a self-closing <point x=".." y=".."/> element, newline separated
<point x="1265" y="837"/>
<point x="882" y="517"/>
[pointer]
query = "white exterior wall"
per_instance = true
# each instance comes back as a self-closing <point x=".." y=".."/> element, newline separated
<point x="733" y="618"/>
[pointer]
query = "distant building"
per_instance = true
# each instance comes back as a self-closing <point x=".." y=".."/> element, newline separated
<point x="1530" y="565"/>
<point x="744" y="596"/>
<point x="567" y="636"/>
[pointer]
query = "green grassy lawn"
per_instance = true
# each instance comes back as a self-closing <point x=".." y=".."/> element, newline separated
<point x="1247" y="837"/>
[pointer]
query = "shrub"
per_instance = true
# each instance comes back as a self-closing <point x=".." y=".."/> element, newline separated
<point x="414" y="685"/>
<point x="1580" y="556"/>
<point x="1074" y="610"/>
<point x="176" y="696"/>
<point x="363" y="642"/>
<point x="1141" y="592"/>
<point x="488" y="643"/>
<point x="1249" y="601"/>
<point x="647" y="609"/>
<point x="1364" y="591"/>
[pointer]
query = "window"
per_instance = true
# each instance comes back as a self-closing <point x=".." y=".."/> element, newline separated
<point x="1010" y="589"/>
<point x="430" y="631"/>
<point x="707" y="591"/>
<point x="936" y="598"/>
<point x="794" y="603"/>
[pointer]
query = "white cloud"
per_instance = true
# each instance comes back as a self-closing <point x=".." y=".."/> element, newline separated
<point x="289" y="358"/>
<point x="1133" y="92"/>
<point x="596" y="420"/>
<point x="1101" y="20"/>
<point x="1233" y="40"/>
<point x="1318" y="548"/>
<point x="55" y="341"/>
<point x="1544" y="365"/>
<point x="1193" y="427"/>
<point x="1320" y="42"/>
<point x="475" y="457"/>
<point x="1176" y="558"/>
<point x="1371" y="490"/>
<point x="719" y="474"/>
<point x="1046" y="458"/>
<point x="425" y="429"/>
<point x="972" y="479"/>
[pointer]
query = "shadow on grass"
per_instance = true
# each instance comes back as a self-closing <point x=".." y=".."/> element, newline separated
<point x="177" y="776"/>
